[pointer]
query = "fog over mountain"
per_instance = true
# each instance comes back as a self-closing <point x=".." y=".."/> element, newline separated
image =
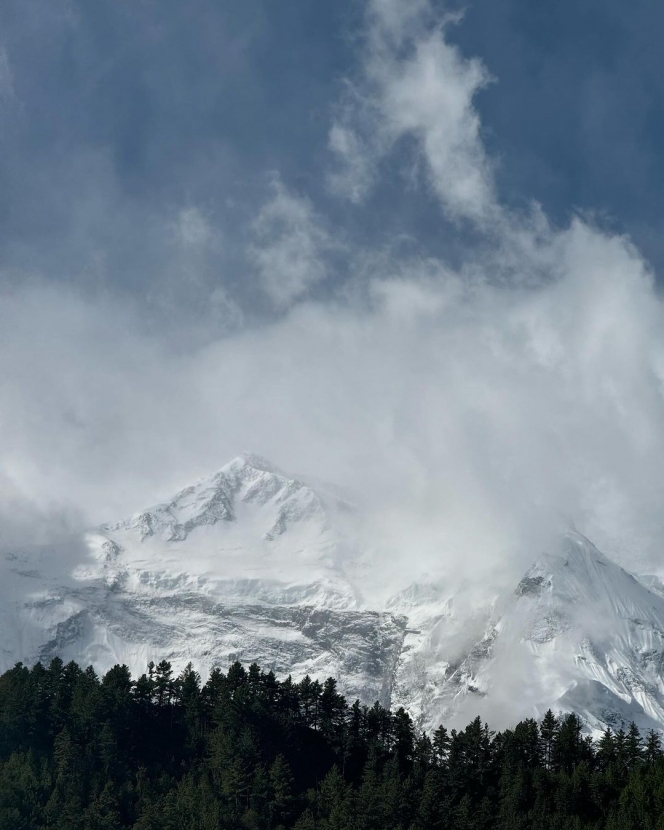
<point x="479" y="400"/>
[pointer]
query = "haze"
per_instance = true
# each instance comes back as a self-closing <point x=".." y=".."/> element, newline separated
<point x="362" y="295"/>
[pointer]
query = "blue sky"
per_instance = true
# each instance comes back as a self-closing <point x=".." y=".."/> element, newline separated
<point x="116" y="116"/>
<point x="578" y="114"/>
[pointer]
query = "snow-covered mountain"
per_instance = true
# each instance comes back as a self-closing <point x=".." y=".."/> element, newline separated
<point x="256" y="565"/>
<point x="247" y="564"/>
<point x="578" y="633"/>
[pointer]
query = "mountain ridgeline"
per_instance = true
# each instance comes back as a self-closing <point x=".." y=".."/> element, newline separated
<point x="252" y="564"/>
<point x="245" y="751"/>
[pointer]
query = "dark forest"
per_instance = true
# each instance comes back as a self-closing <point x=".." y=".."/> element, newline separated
<point x="246" y="751"/>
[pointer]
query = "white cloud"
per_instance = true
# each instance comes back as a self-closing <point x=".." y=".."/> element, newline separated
<point x="476" y="412"/>
<point x="354" y="175"/>
<point x="192" y="229"/>
<point x="430" y="97"/>
<point x="290" y="246"/>
<point x="414" y="83"/>
<point x="474" y="419"/>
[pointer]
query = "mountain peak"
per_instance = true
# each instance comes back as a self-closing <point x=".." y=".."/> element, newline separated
<point x="249" y="487"/>
<point x="576" y="623"/>
<point x="256" y="462"/>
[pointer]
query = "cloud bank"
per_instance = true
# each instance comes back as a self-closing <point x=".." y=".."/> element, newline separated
<point x="476" y="409"/>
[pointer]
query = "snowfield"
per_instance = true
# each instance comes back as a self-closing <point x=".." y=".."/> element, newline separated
<point x="251" y="564"/>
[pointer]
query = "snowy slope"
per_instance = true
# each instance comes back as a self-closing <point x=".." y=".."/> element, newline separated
<point x="246" y="564"/>
<point x="248" y="531"/>
<point x="578" y="633"/>
<point x="253" y="564"/>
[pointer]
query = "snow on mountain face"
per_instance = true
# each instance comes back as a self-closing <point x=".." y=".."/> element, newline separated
<point x="248" y="480"/>
<point x="246" y="532"/>
<point x="255" y="565"/>
<point x="247" y="564"/>
<point x="578" y="634"/>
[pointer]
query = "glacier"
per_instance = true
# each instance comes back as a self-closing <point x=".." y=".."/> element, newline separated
<point x="256" y="565"/>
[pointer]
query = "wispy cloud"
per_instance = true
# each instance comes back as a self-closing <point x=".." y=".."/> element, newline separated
<point x="414" y="83"/>
<point x="290" y="246"/>
<point x="356" y="162"/>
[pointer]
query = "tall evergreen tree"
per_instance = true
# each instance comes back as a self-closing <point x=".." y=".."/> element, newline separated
<point x="281" y="780"/>
<point x="548" y="730"/>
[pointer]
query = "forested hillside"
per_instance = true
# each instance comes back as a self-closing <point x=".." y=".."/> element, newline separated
<point x="247" y="751"/>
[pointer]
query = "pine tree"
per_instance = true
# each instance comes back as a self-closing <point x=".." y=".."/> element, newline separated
<point x="187" y="690"/>
<point x="548" y="730"/>
<point x="254" y="679"/>
<point x="370" y="800"/>
<point x="236" y="678"/>
<point x="306" y="695"/>
<point x="404" y="739"/>
<point x="620" y="742"/>
<point x="606" y="750"/>
<point x="306" y="821"/>
<point x="441" y="746"/>
<point x="567" y="746"/>
<point x="379" y="726"/>
<point x="422" y="756"/>
<point x="281" y="781"/>
<point x="430" y="808"/>
<point x="633" y="747"/>
<point x="653" y="748"/>
<point x="233" y="760"/>
<point x="163" y="683"/>
<point x="108" y="750"/>
<point x="103" y="813"/>
<point x="332" y="709"/>
<point x="336" y="803"/>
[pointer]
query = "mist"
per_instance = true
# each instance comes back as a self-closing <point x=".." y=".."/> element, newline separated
<point x="475" y="408"/>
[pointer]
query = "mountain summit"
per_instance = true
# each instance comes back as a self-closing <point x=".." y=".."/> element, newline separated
<point x="247" y="481"/>
<point x="253" y="564"/>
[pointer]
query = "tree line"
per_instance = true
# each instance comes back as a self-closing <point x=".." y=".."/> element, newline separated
<point x="245" y="751"/>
